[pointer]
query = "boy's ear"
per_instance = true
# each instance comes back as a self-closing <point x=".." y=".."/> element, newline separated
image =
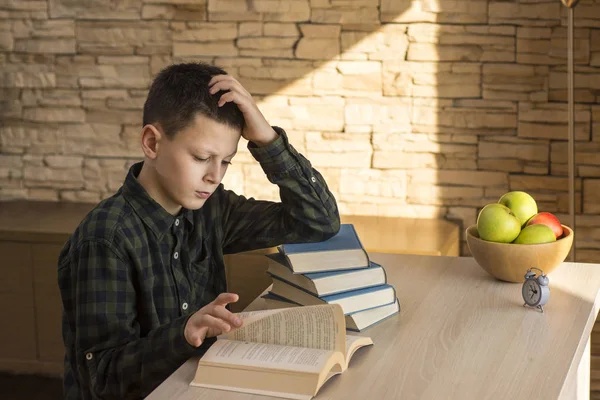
<point x="151" y="137"/>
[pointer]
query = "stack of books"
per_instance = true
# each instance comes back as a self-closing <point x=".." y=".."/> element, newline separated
<point x="335" y="271"/>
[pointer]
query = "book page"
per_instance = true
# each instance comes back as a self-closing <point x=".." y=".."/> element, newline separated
<point x="316" y="327"/>
<point x="261" y="355"/>
<point x="354" y="343"/>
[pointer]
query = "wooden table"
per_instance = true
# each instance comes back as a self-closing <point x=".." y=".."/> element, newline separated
<point x="460" y="335"/>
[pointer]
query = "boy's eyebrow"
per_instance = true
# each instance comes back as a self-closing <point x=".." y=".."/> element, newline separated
<point x="212" y="153"/>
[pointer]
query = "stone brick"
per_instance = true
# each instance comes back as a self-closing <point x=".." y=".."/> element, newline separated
<point x="378" y="111"/>
<point x="431" y="52"/>
<point x="95" y="9"/>
<point x="541" y="184"/>
<point x="54" y="114"/>
<point x="317" y="48"/>
<point x="123" y="60"/>
<point x="208" y="32"/>
<point x="109" y="33"/>
<point x="586" y="154"/>
<point x="550" y="121"/>
<point x="253" y="29"/>
<point x="587" y="15"/>
<point x="545" y="13"/>
<point x="323" y="114"/>
<point x="320" y="31"/>
<point x="235" y="16"/>
<point x="63" y="162"/>
<point x="274" y="72"/>
<point x="591" y="196"/>
<point x="361" y="77"/>
<point x="354" y="159"/>
<point x="512" y="81"/>
<point x="80" y="196"/>
<point x="343" y="15"/>
<point x="296" y="87"/>
<point x="135" y="103"/>
<point x="52" y="178"/>
<point x="375" y="184"/>
<point x="11" y="166"/>
<point x="444" y="195"/>
<point x="266" y="43"/>
<point x="458" y="177"/>
<point x="387" y="43"/>
<point x="113" y="76"/>
<point x="584" y="78"/>
<point x="471" y="118"/>
<point x="46" y="45"/>
<point x="51" y="97"/>
<point x="6" y="41"/>
<point x="19" y="5"/>
<point x="463" y="35"/>
<point x="43" y="28"/>
<point x="514" y="148"/>
<point x="280" y="30"/>
<point x="558" y="46"/>
<point x="195" y="12"/>
<point x="500" y="164"/>
<point x="28" y="79"/>
<point x="440" y="11"/>
<point x="176" y="2"/>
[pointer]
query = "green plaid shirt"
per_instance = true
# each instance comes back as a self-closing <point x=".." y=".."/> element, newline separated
<point x="132" y="274"/>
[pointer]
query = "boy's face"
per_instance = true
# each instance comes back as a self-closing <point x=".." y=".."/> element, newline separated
<point x="191" y="165"/>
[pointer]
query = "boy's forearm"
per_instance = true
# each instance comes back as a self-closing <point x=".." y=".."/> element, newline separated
<point x="307" y="211"/>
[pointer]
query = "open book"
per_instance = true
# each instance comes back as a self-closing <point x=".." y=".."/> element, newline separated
<point x="287" y="352"/>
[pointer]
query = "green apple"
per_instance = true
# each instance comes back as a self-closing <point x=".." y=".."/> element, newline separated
<point x="533" y="234"/>
<point x="521" y="204"/>
<point x="497" y="223"/>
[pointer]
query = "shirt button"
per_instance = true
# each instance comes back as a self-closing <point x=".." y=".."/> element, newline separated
<point x="184" y="306"/>
<point x="176" y="255"/>
<point x="313" y="179"/>
<point x="89" y="356"/>
<point x="176" y="222"/>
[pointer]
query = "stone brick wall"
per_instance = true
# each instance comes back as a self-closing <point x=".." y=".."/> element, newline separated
<point x="409" y="108"/>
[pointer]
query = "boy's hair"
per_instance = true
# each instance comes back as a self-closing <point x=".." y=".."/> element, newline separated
<point x="180" y="91"/>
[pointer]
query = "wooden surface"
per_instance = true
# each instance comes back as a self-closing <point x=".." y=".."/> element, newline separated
<point x="437" y="237"/>
<point x="461" y="334"/>
<point x="43" y="221"/>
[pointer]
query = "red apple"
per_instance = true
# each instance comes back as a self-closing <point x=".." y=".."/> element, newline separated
<point x="549" y="220"/>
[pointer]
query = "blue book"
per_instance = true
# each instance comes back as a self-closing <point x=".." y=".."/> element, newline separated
<point x="351" y="301"/>
<point x="342" y="251"/>
<point x="357" y="321"/>
<point x="326" y="283"/>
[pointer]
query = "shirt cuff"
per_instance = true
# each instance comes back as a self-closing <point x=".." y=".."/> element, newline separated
<point x="276" y="157"/>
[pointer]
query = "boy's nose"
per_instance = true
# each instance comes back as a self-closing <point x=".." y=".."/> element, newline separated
<point x="213" y="173"/>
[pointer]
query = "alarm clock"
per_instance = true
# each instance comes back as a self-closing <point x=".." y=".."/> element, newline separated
<point x="535" y="291"/>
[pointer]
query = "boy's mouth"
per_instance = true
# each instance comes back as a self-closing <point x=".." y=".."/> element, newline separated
<point x="202" y="195"/>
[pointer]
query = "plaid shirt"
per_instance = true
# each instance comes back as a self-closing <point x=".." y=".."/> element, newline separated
<point x="132" y="274"/>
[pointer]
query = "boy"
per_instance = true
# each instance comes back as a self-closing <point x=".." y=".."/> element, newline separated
<point x="142" y="278"/>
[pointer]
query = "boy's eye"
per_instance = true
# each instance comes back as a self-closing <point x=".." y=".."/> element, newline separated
<point x="226" y="162"/>
<point x="200" y="159"/>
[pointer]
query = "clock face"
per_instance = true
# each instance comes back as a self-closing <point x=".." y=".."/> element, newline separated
<point x="532" y="292"/>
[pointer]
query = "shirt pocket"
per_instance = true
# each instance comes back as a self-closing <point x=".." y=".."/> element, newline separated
<point x="201" y="273"/>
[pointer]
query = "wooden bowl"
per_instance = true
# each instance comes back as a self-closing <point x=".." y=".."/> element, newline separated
<point x="509" y="262"/>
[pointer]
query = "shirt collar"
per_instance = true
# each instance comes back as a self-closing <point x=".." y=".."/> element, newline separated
<point x="149" y="211"/>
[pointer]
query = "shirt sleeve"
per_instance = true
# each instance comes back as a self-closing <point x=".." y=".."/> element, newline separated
<point x="112" y="360"/>
<point x="307" y="212"/>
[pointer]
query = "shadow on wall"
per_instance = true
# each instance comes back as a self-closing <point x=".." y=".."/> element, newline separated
<point x="409" y="108"/>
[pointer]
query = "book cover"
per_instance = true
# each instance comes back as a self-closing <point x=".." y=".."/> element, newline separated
<point x="326" y="283"/>
<point x="342" y="251"/>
